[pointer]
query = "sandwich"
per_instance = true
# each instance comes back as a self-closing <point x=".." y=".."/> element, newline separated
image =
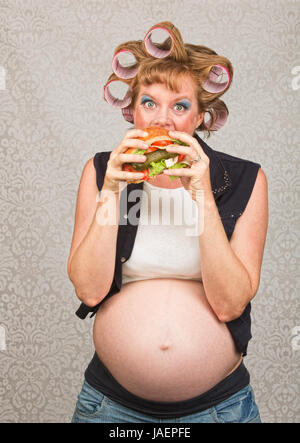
<point x="158" y="158"/>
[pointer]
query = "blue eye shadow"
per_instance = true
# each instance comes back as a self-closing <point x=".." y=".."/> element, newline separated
<point x="145" y="99"/>
<point x="185" y="103"/>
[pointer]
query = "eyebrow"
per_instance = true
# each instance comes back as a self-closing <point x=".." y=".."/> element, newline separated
<point x="178" y="98"/>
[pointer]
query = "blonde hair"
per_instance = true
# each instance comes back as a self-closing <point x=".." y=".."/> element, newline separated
<point x="183" y="60"/>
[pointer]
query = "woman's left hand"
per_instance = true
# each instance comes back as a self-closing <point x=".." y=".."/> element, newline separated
<point x="197" y="176"/>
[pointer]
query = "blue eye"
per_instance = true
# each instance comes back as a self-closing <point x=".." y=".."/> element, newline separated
<point x="182" y="107"/>
<point x="184" y="104"/>
<point x="149" y="104"/>
<point x="145" y="99"/>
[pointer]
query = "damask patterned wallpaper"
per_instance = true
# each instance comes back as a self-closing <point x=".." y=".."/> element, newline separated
<point x="54" y="59"/>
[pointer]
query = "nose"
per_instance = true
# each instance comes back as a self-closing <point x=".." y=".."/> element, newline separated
<point x="163" y="119"/>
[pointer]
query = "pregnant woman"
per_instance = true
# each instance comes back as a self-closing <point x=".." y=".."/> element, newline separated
<point x="171" y="295"/>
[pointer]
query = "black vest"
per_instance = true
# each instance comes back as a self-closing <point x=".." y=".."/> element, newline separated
<point x="232" y="181"/>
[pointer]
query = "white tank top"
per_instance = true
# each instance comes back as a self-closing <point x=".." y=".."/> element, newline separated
<point x="166" y="243"/>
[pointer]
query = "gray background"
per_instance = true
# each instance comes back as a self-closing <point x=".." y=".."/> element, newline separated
<point x="56" y="58"/>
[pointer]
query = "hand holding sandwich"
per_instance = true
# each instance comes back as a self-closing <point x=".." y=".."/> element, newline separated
<point x="197" y="176"/>
<point x="174" y="153"/>
<point x="116" y="178"/>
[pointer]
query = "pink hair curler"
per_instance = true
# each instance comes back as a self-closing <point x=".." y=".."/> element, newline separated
<point x="152" y="49"/>
<point x="123" y="71"/>
<point x="127" y="114"/>
<point x="213" y="83"/>
<point x="220" y="118"/>
<point x="114" y="101"/>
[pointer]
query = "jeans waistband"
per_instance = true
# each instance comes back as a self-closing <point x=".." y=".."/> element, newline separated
<point x="99" y="377"/>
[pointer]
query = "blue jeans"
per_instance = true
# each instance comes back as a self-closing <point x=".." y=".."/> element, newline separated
<point x="94" y="407"/>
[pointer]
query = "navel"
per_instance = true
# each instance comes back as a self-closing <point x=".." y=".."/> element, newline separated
<point x="165" y="345"/>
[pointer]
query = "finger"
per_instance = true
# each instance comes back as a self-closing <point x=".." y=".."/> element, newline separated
<point x="131" y="143"/>
<point x="125" y="175"/>
<point x="120" y="176"/>
<point x="181" y="172"/>
<point x="131" y="133"/>
<point x="190" y="152"/>
<point x="184" y="137"/>
<point x="127" y="158"/>
<point x="180" y="149"/>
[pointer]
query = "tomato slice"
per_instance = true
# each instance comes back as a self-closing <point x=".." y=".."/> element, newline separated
<point x="128" y="168"/>
<point x="180" y="157"/>
<point x="162" y="143"/>
<point x="146" y="174"/>
<point x="151" y="149"/>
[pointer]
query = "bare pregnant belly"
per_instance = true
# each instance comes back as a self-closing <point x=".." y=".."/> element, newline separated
<point x="161" y="340"/>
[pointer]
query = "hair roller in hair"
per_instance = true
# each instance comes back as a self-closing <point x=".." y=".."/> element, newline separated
<point x="113" y="90"/>
<point x="219" y="116"/>
<point x="217" y="80"/>
<point x="120" y="69"/>
<point x="152" y="48"/>
<point x="127" y="114"/>
<point x="172" y="45"/>
<point x="127" y="57"/>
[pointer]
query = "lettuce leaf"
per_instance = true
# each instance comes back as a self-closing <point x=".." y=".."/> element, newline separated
<point x="178" y="142"/>
<point x="140" y="151"/>
<point x="157" y="167"/>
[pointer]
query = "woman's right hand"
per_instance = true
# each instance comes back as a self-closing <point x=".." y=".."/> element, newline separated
<point x="115" y="178"/>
